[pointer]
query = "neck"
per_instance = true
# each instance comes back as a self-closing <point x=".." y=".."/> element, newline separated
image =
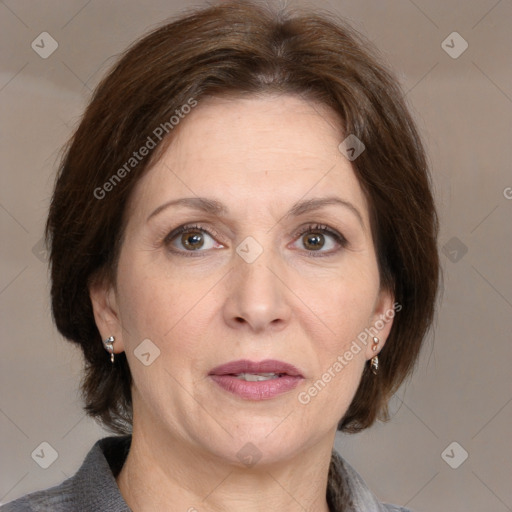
<point x="172" y="475"/>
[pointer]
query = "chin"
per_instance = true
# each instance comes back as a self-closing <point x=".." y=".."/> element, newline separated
<point x="261" y="441"/>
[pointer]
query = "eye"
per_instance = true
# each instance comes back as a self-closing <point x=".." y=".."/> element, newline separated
<point x="321" y="239"/>
<point x="191" y="239"/>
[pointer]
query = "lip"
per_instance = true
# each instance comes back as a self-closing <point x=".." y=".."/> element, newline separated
<point x="247" y="366"/>
<point x="225" y="376"/>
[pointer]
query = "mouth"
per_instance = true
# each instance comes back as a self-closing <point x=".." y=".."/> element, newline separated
<point x="258" y="377"/>
<point x="256" y="380"/>
<point x="257" y="371"/>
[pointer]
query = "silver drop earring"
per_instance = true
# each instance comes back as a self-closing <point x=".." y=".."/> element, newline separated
<point x="109" y="346"/>
<point x="374" y="363"/>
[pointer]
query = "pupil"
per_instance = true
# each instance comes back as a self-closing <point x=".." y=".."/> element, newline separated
<point x="193" y="241"/>
<point x="314" y="241"/>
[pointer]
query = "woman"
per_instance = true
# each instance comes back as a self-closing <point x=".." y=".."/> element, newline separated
<point x="243" y="244"/>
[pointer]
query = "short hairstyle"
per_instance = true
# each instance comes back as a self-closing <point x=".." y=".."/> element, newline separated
<point x="235" y="48"/>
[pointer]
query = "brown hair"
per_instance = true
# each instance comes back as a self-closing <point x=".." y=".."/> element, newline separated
<point x="242" y="48"/>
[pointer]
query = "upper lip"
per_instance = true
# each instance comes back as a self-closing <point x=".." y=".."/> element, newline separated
<point x="246" y="366"/>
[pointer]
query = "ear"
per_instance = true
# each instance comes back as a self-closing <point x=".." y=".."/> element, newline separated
<point x="381" y="321"/>
<point x="106" y="315"/>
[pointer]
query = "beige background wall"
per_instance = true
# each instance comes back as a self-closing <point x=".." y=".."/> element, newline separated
<point x="462" y="390"/>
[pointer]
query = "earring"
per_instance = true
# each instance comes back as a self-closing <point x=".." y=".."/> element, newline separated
<point x="109" y="346"/>
<point x="374" y="363"/>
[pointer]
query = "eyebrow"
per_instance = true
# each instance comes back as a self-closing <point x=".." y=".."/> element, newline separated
<point x="215" y="207"/>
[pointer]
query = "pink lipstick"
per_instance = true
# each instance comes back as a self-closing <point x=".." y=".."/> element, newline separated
<point x="252" y="380"/>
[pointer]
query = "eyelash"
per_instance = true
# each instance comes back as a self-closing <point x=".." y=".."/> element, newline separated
<point x="317" y="228"/>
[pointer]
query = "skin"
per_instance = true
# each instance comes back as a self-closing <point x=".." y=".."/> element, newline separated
<point x="258" y="156"/>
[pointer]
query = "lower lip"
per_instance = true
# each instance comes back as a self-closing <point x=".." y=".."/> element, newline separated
<point x="259" y="390"/>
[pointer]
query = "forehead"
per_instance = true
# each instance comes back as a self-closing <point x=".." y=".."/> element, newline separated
<point x="253" y="153"/>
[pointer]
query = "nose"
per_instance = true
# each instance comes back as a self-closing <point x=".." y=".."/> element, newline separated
<point x="258" y="297"/>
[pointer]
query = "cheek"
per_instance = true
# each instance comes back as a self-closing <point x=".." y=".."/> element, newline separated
<point x="171" y="309"/>
<point x="342" y="311"/>
<point x="343" y="306"/>
<point x="149" y="300"/>
<point x="339" y="360"/>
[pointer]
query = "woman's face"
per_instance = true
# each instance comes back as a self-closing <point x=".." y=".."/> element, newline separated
<point x="276" y="262"/>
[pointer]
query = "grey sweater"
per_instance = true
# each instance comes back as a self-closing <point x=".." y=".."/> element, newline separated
<point x="94" y="489"/>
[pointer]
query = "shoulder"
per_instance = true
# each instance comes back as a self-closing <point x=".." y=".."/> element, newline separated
<point x="395" y="508"/>
<point x="363" y="500"/>
<point x="93" y="487"/>
<point x="58" y="499"/>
